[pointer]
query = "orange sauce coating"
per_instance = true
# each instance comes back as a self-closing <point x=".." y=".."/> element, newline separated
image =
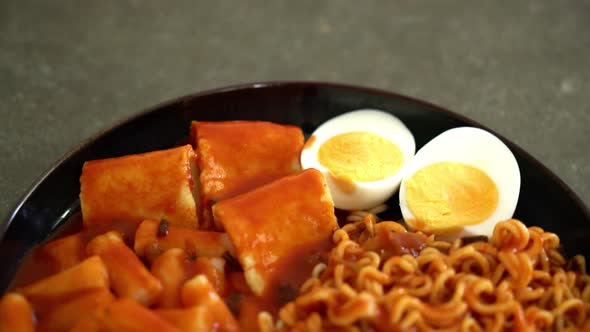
<point x="269" y="223"/>
<point x="236" y="156"/>
<point x="157" y="185"/>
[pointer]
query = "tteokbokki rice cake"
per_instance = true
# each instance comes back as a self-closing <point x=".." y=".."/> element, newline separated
<point x="249" y="227"/>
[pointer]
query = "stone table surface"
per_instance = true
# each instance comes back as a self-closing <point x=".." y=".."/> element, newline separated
<point x="69" y="69"/>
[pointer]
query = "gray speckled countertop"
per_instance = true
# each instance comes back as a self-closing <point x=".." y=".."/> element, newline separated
<point x="71" y="68"/>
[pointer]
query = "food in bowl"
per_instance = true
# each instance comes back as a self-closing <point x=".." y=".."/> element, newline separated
<point x="362" y="155"/>
<point x="263" y="248"/>
<point x="461" y="183"/>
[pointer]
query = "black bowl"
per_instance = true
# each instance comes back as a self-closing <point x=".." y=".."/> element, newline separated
<point x="545" y="200"/>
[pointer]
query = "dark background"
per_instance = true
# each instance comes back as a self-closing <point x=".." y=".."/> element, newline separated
<point x="69" y="69"/>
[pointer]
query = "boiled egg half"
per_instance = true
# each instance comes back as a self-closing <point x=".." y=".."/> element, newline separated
<point x="461" y="183"/>
<point x="362" y="155"/>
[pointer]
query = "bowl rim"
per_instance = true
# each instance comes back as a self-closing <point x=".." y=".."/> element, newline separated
<point x="5" y="224"/>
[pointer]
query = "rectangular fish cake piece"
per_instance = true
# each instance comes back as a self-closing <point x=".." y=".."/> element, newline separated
<point x="237" y="156"/>
<point x="154" y="185"/>
<point x="271" y="223"/>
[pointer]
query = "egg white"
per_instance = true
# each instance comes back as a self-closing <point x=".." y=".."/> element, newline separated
<point x="369" y="194"/>
<point x="480" y="149"/>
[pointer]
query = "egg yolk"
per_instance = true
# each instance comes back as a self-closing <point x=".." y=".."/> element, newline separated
<point x="360" y="156"/>
<point x="448" y="195"/>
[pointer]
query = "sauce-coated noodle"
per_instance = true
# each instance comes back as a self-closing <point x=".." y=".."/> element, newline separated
<point x="516" y="281"/>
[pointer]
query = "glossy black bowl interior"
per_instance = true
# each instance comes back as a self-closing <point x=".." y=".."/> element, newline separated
<point x="544" y="200"/>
